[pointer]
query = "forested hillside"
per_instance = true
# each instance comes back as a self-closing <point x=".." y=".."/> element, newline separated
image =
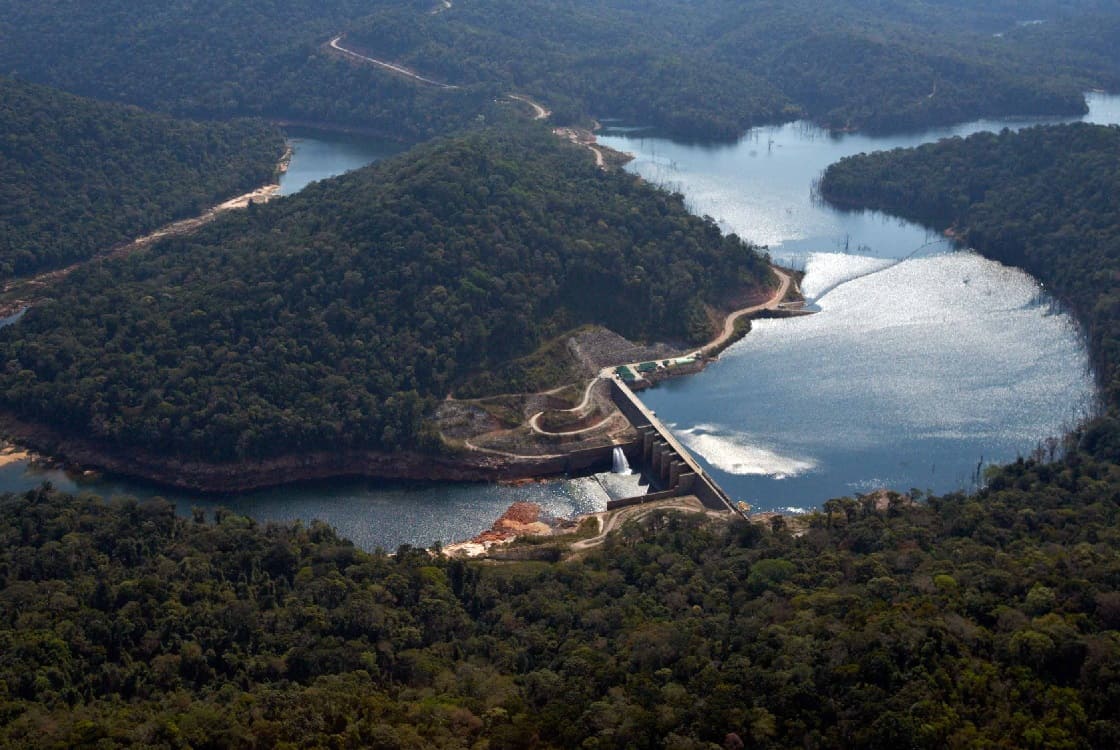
<point x="1083" y="47"/>
<point x="338" y="316"/>
<point x="700" y="68"/>
<point x="713" y="68"/>
<point x="1043" y="199"/>
<point x="990" y="621"/>
<point x="613" y="59"/>
<point x="222" y="58"/>
<point x="78" y="176"/>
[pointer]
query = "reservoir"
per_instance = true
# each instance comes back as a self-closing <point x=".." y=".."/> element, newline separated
<point x="922" y="362"/>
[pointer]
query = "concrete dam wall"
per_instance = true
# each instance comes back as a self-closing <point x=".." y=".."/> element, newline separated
<point x="663" y="457"/>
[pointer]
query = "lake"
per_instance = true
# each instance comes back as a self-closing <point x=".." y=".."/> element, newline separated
<point x="923" y="363"/>
<point x="920" y="363"/>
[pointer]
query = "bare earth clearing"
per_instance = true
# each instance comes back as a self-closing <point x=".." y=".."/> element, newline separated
<point x="594" y="421"/>
<point x="571" y="538"/>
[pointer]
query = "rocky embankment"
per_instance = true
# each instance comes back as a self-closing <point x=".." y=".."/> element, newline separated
<point x="519" y="520"/>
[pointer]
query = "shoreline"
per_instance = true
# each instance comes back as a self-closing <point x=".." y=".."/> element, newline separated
<point x="211" y="478"/>
<point x="217" y="478"/>
<point x="559" y="536"/>
<point x="565" y="538"/>
<point x="325" y="126"/>
<point x="84" y="456"/>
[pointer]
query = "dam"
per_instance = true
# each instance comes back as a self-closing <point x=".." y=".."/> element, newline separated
<point x="660" y="455"/>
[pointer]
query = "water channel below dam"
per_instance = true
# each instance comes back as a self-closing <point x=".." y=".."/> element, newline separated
<point x="922" y="362"/>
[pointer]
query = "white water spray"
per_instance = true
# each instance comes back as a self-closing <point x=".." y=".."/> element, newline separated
<point x="619" y="463"/>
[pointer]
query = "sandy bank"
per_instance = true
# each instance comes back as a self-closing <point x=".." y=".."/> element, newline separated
<point x="10" y="454"/>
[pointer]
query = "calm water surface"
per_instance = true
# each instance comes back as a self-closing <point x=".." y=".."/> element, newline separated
<point x="317" y="156"/>
<point x="922" y="364"/>
<point x="913" y="369"/>
<point x="370" y="513"/>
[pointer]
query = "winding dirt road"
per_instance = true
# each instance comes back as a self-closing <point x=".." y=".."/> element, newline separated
<point x="535" y="426"/>
<point x="770" y="304"/>
<point x="22" y="293"/>
<point x="335" y="45"/>
<point x="599" y="161"/>
<point x="607" y="373"/>
<point x="728" y="331"/>
<point x="539" y="112"/>
<point x="612" y="519"/>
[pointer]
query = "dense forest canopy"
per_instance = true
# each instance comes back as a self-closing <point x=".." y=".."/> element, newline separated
<point x="221" y="58"/>
<point x="1043" y="199"/>
<point x="1081" y="48"/>
<point x="704" y="68"/>
<point x="713" y="68"/>
<point x="336" y="316"/>
<point x="339" y="316"/>
<point x="988" y="621"/>
<point x="78" y="177"/>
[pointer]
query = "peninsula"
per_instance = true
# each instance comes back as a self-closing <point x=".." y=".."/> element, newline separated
<point x="320" y="335"/>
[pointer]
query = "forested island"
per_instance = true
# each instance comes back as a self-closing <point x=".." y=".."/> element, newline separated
<point x="340" y="316"/>
<point x="78" y="177"/>
<point x="707" y="69"/>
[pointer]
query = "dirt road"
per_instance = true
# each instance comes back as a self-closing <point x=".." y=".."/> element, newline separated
<point x="612" y="519"/>
<point x="539" y="112"/>
<point x="728" y="331"/>
<point x="599" y="162"/>
<point x="729" y="323"/>
<point x="337" y="46"/>
<point x="21" y="293"/>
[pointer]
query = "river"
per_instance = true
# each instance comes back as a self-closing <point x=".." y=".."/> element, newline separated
<point x="904" y="379"/>
<point x="317" y="155"/>
<point x="923" y="364"/>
